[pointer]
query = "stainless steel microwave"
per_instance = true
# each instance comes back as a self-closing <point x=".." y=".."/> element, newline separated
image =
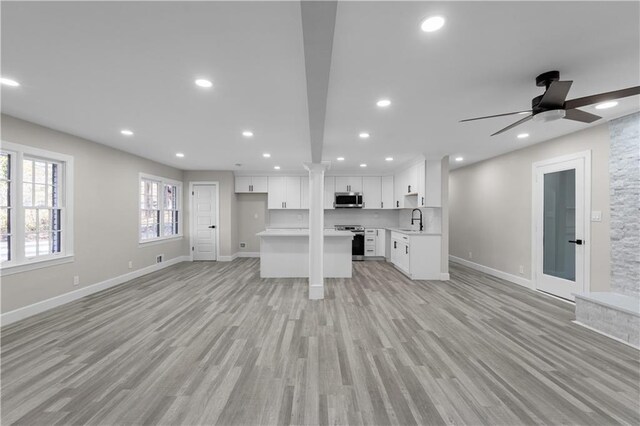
<point x="348" y="200"/>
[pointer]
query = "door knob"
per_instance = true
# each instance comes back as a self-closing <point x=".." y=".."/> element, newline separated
<point x="212" y="226"/>
<point x="577" y="242"/>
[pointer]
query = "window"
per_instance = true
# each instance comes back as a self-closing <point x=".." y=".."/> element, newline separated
<point x="35" y="206"/>
<point x="159" y="208"/>
<point x="5" y="206"/>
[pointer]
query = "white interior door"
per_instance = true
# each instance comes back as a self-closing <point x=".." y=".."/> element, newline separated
<point x="561" y="206"/>
<point x="204" y="208"/>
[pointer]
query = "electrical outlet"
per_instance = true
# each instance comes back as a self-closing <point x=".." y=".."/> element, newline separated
<point x="130" y="265"/>
<point x="596" y="216"/>
<point x="76" y="280"/>
<point x="243" y="245"/>
<point x="521" y="269"/>
<point x="470" y="255"/>
<point x="159" y="258"/>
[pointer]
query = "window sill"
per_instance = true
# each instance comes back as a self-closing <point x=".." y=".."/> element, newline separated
<point x="35" y="264"/>
<point x="159" y="240"/>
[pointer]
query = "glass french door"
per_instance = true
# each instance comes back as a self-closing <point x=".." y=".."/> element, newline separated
<point x="560" y="226"/>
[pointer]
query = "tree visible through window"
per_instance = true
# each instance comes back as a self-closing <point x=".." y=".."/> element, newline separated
<point x="5" y="207"/>
<point x="40" y="200"/>
<point x="159" y="208"/>
<point x="36" y="206"/>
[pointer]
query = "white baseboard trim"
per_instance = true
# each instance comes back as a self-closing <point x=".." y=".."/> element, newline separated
<point x="605" y="334"/>
<point x="444" y="276"/>
<point x="494" y="272"/>
<point x="248" y="254"/>
<point x="316" y="292"/>
<point x="227" y="258"/>
<point x="44" y="305"/>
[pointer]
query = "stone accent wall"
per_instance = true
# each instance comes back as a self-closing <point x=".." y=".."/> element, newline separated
<point x="624" y="171"/>
<point x="613" y="322"/>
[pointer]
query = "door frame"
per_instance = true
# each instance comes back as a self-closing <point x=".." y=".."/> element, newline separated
<point x="217" y="221"/>
<point x="585" y="156"/>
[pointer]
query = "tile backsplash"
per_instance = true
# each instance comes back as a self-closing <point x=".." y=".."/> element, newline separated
<point x="366" y="218"/>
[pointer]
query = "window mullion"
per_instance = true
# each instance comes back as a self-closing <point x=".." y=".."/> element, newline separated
<point x="19" y="213"/>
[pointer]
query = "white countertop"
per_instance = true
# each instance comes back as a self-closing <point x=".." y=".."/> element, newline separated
<point x="412" y="232"/>
<point x="302" y="232"/>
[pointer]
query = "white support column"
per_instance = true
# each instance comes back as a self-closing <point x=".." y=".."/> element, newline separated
<point x="316" y="229"/>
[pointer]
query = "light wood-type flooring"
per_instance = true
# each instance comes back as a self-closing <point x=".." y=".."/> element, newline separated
<point x="212" y="343"/>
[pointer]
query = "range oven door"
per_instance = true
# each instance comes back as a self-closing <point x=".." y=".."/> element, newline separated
<point x="357" y="246"/>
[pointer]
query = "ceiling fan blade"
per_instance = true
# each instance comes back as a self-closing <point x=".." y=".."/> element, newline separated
<point x="497" y="115"/>
<point x="555" y="95"/>
<point x="517" y="123"/>
<point x="579" y="115"/>
<point x="602" y="97"/>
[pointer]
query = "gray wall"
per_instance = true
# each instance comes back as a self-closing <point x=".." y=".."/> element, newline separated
<point x="252" y="217"/>
<point x="624" y="166"/>
<point x="490" y="205"/>
<point x="228" y="228"/>
<point x="105" y="215"/>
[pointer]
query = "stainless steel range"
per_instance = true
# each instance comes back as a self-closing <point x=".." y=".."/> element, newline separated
<point x="357" y="245"/>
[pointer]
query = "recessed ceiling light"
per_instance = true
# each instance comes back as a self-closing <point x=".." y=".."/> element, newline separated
<point x="247" y="133"/>
<point x="523" y="135"/>
<point x="203" y="83"/>
<point x="363" y="165"/>
<point x="340" y="158"/>
<point x="364" y="135"/>
<point x="276" y="167"/>
<point x="126" y="132"/>
<point x="606" y="105"/>
<point x="388" y="159"/>
<point x="459" y="159"/>
<point x="431" y="24"/>
<point x="179" y="155"/>
<point x="9" y="82"/>
<point x="266" y="155"/>
<point x="383" y="103"/>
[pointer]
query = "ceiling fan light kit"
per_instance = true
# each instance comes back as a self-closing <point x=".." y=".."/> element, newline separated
<point x="551" y="115"/>
<point x="552" y="104"/>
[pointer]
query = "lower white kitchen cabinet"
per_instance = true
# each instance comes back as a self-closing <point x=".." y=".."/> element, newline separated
<point x="417" y="255"/>
<point x="381" y="242"/>
<point x="374" y="242"/>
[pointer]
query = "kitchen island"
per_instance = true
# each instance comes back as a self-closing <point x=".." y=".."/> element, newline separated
<point x="284" y="253"/>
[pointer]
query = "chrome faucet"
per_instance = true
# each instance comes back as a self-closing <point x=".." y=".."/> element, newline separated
<point x="413" y="219"/>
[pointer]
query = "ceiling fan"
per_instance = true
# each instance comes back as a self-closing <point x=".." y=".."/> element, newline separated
<point x="552" y="104"/>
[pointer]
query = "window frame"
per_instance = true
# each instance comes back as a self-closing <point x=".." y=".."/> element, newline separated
<point x="19" y="262"/>
<point x="162" y="181"/>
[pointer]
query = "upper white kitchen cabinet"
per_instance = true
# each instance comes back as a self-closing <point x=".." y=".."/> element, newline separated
<point x="387" y="201"/>
<point x="348" y="184"/>
<point x="421" y="185"/>
<point x="329" y="192"/>
<point x="433" y="184"/>
<point x="372" y="192"/>
<point x="284" y="192"/>
<point x="251" y="184"/>
<point x="304" y="192"/>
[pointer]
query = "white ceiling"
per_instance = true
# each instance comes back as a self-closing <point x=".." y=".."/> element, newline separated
<point x="92" y="68"/>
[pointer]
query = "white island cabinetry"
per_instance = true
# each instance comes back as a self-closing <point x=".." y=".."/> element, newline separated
<point x="416" y="254"/>
<point x="284" y="253"/>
